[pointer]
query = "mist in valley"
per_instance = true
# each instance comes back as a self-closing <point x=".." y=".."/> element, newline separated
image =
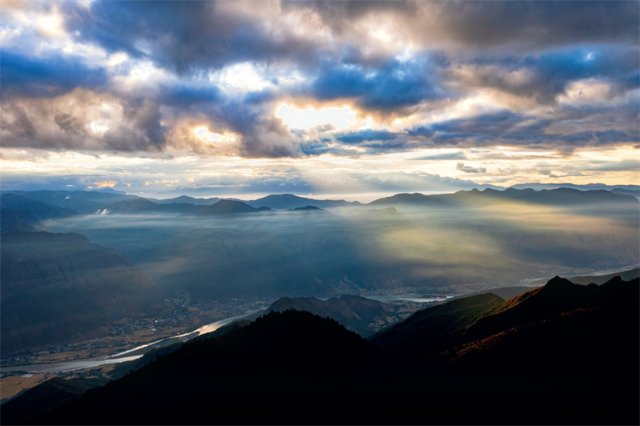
<point x="364" y="250"/>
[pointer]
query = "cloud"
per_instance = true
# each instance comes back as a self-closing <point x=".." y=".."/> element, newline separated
<point x="186" y="36"/>
<point x="561" y="130"/>
<point x="470" y="169"/>
<point x="456" y="155"/>
<point x="471" y="24"/>
<point x="543" y="77"/>
<point x="365" y="135"/>
<point x="82" y="119"/>
<point x="49" y="76"/>
<point x="393" y="85"/>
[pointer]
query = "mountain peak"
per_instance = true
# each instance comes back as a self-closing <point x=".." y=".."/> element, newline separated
<point x="559" y="282"/>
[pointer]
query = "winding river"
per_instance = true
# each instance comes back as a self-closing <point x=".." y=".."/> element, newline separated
<point x="117" y="358"/>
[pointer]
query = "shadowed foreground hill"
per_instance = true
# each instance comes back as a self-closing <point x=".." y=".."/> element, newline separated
<point x="57" y="288"/>
<point x="431" y="329"/>
<point x="560" y="354"/>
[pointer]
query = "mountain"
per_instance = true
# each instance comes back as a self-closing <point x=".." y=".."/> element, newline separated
<point x="560" y="354"/>
<point x="555" y="197"/>
<point x="279" y="366"/>
<point x="82" y="202"/>
<point x="91" y="287"/>
<point x="33" y="208"/>
<point x="359" y="314"/>
<point x="16" y="219"/>
<point x="557" y="298"/>
<point x="290" y="201"/>
<point x="430" y="329"/>
<point x="625" y="189"/>
<point x="228" y="207"/>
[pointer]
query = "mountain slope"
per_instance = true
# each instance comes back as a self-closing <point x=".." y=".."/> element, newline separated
<point x="91" y="287"/>
<point x="34" y="208"/>
<point x="559" y="297"/>
<point x="430" y="329"/>
<point x="83" y="202"/>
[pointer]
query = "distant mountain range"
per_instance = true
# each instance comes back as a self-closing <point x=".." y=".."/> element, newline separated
<point x="562" y="353"/>
<point x="558" y="197"/>
<point x="620" y="189"/>
<point x="59" y="204"/>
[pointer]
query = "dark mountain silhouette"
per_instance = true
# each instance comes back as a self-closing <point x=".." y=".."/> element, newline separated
<point x="290" y="201"/>
<point x="44" y="397"/>
<point x="560" y="354"/>
<point x="33" y="208"/>
<point x="359" y="314"/>
<point x="556" y="197"/>
<point x="57" y="288"/>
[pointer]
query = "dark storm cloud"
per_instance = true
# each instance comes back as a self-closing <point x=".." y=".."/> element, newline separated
<point x="183" y="35"/>
<point x="21" y="75"/>
<point x="392" y="85"/>
<point x="544" y="76"/>
<point x="539" y="23"/>
<point x="519" y="130"/>
<point x="492" y="24"/>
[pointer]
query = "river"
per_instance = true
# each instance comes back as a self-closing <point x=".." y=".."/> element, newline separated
<point x="120" y="357"/>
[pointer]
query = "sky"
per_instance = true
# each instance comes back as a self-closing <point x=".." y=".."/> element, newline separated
<point x="328" y="97"/>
